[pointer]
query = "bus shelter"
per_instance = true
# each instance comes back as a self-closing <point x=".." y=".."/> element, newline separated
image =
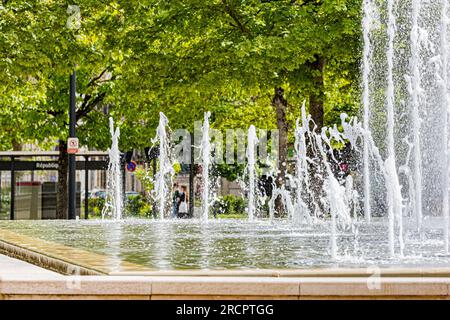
<point x="28" y="182"/>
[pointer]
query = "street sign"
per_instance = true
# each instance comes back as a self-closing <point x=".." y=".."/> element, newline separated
<point x="343" y="167"/>
<point x="72" y="145"/>
<point x="50" y="165"/>
<point x="131" y="166"/>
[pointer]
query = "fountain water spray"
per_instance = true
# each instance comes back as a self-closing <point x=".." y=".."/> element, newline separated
<point x="287" y="201"/>
<point x="114" y="196"/>
<point x="367" y="23"/>
<point x="394" y="189"/>
<point x="323" y="195"/>
<point x="338" y="202"/>
<point x="445" y="115"/>
<point x="415" y="92"/>
<point x="307" y="206"/>
<point x="301" y="180"/>
<point x="252" y="142"/>
<point x="206" y="163"/>
<point x="164" y="176"/>
<point x="411" y="117"/>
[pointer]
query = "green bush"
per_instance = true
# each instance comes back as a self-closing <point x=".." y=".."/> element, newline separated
<point x="135" y="206"/>
<point x="138" y="206"/>
<point x="96" y="206"/>
<point x="230" y="204"/>
<point x="146" y="210"/>
<point x="5" y="204"/>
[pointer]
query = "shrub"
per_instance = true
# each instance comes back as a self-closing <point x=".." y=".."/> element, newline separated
<point x="138" y="206"/>
<point x="135" y="206"/>
<point x="230" y="204"/>
<point x="145" y="210"/>
<point x="96" y="206"/>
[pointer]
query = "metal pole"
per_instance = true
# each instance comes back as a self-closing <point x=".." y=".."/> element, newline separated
<point x="154" y="167"/>
<point x="1" y="203"/>
<point x="13" y="189"/>
<point x="154" y="174"/>
<point x="72" y="160"/>
<point x="191" y="180"/>
<point x="124" y="182"/>
<point x="86" y="188"/>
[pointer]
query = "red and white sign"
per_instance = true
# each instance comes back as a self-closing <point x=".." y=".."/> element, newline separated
<point x="344" y="167"/>
<point x="131" y="166"/>
<point x="72" y="145"/>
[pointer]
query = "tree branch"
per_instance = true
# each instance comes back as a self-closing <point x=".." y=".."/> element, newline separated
<point x="92" y="82"/>
<point x="89" y="105"/>
<point x="235" y="17"/>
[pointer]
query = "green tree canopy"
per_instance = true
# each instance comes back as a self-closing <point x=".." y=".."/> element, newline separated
<point x="246" y="61"/>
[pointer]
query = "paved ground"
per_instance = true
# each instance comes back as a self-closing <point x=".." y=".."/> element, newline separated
<point x="21" y="280"/>
<point x="13" y="268"/>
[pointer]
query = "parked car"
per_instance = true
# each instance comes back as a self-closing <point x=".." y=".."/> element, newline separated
<point x="131" y="194"/>
<point x="97" y="193"/>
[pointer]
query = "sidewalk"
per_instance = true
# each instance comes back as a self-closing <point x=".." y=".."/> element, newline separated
<point x="20" y="280"/>
<point x="14" y="269"/>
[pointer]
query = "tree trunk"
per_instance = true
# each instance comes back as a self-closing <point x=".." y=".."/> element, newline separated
<point x="280" y="105"/>
<point x="316" y="102"/>
<point x="17" y="146"/>
<point x="62" y="196"/>
<point x="316" y="97"/>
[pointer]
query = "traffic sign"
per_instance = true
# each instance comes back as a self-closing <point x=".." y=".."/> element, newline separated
<point x="343" y="167"/>
<point x="72" y="145"/>
<point x="131" y="166"/>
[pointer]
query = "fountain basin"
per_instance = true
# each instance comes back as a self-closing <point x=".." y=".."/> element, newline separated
<point x="240" y="288"/>
<point x="223" y="247"/>
<point x="224" y="259"/>
<point x="36" y="283"/>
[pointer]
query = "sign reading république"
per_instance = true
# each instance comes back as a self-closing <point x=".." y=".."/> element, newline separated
<point x="47" y="165"/>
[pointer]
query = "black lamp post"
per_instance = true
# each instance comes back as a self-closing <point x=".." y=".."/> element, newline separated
<point x="72" y="160"/>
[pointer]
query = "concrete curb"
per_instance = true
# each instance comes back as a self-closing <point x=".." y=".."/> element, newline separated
<point x="107" y="287"/>
<point x="45" y="261"/>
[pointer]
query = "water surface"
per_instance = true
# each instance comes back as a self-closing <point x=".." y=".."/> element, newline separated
<point x="233" y="244"/>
